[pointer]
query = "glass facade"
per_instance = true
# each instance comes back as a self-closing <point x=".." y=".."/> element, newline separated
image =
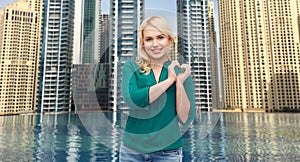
<point x="89" y="31"/>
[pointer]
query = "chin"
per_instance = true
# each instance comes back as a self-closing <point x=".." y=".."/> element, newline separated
<point x="157" y="56"/>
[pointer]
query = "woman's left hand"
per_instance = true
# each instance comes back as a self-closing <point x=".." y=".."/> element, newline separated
<point x="181" y="77"/>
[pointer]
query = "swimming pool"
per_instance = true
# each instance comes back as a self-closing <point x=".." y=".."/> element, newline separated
<point x="213" y="137"/>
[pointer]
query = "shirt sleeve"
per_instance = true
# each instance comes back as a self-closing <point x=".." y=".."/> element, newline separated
<point x="133" y="96"/>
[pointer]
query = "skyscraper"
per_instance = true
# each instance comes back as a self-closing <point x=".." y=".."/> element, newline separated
<point x="214" y="60"/>
<point x="194" y="46"/>
<point x="56" y="56"/>
<point x="90" y="23"/>
<point x="91" y="26"/>
<point x="126" y="16"/>
<point x="104" y="38"/>
<point x="90" y="70"/>
<point x="174" y="50"/>
<point x="260" y="53"/>
<point x="20" y="30"/>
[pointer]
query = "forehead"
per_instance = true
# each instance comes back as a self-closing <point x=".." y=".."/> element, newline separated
<point x="151" y="31"/>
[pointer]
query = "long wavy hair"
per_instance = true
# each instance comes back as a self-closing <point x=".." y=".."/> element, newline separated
<point x="158" y="22"/>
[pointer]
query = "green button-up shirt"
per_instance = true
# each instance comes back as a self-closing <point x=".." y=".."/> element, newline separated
<point x="152" y="127"/>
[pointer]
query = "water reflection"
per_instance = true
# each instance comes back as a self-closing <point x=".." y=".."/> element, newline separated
<point x="63" y="138"/>
<point x="17" y="138"/>
<point x="233" y="137"/>
<point x="247" y="137"/>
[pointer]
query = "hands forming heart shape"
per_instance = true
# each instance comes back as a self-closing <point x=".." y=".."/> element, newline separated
<point x="181" y="77"/>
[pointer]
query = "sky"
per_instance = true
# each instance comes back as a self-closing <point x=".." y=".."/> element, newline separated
<point x="5" y="2"/>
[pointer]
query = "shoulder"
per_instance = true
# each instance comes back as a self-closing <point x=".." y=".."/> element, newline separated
<point x="130" y="64"/>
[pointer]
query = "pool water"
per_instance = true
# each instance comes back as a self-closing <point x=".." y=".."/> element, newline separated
<point x="212" y="137"/>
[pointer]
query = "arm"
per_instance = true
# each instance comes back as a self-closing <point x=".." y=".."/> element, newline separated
<point x="133" y="96"/>
<point x="158" y="89"/>
<point x="185" y="99"/>
<point x="136" y="97"/>
<point x="182" y="102"/>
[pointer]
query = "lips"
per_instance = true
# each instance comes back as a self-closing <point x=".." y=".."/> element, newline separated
<point x="157" y="50"/>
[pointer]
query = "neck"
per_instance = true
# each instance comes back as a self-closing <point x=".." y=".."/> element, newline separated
<point x="159" y="62"/>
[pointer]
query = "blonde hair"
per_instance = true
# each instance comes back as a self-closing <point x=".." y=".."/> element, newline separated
<point x="158" y="22"/>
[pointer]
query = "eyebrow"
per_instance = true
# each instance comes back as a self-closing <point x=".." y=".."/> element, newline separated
<point x="162" y="34"/>
<point x="156" y="36"/>
<point x="147" y="36"/>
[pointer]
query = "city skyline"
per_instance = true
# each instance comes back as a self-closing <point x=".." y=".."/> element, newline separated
<point x="190" y="17"/>
<point x="167" y="9"/>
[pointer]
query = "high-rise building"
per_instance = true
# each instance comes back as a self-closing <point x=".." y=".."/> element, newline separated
<point x="90" y="86"/>
<point x="260" y="54"/>
<point x="174" y="50"/>
<point x="56" y="56"/>
<point x="194" y="46"/>
<point x="20" y="31"/>
<point x="214" y="61"/>
<point x="126" y="16"/>
<point x="90" y="64"/>
<point x="104" y="38"/>
<point x="77" y="42"/>
<point x="91" y="41"/>
<point x="90" y="23"/>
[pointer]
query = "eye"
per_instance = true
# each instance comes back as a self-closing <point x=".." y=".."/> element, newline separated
<point x="161" y="37"/>
<point x="147" y="39"/>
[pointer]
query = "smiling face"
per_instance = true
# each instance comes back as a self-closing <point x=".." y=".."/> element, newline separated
<point x="156" y="44"/>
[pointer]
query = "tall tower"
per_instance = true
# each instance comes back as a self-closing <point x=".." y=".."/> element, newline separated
<point x="90" y="64"/>
<point x="20" y="31"/>
<point x="56" y="56"/>
<point x="174" y="49"/>
<point x="215" y="79"/>
<point x="104" y="35"/>
<point x="193" y="45"/>
<point x="90" y="23"/>
<point x="260" y="53"/>
<point x="126" y="16"/>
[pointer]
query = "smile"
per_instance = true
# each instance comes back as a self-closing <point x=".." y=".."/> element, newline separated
<point x="157" y="50"/>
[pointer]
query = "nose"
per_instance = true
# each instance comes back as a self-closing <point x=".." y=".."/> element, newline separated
<point x="155" y="42"/>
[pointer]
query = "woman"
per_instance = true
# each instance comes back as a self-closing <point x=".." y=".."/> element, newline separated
<point x="160" y="96"/>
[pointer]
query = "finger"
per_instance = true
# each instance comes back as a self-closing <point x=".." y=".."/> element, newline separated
<point x="185" y="65"/>
<point x="173" y="64"/>
<point x="186" y="68"/>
